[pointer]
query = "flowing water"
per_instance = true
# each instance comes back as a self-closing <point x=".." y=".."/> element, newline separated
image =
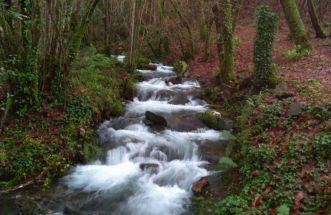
<point x="144" y="171"/>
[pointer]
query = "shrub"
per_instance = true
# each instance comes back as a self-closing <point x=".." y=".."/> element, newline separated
<point x="267" y="24"/>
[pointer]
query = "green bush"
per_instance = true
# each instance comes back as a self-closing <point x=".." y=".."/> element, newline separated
<point x="264" y="69"/>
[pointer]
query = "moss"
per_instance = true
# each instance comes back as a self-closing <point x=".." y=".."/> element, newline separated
<point x="210" y="120"/>
<point x="295" y="24"/>
<point x="180" y="67"/>
<point x="264" y="69"/>
<point x="227" y="60"/>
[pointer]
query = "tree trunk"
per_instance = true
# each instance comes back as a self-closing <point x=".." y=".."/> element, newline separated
<point x="227" y="61"/>
<point x="218" y="26"/>
<point x="189" y="48"/>
<point x="295" y="24"/>
<point x="132" y="41"/>
<point x="315" y="20"/>
<point x="236" y="7"/>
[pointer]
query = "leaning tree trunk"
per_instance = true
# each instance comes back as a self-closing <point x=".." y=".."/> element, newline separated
<point x="315" y="20"/>
<point x="295" y="24"/>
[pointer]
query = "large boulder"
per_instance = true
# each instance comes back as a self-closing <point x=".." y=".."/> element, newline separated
<point x="155" y="121"/>
<point x="283" y="91"/>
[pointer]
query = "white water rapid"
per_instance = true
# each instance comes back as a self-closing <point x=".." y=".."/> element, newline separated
<point x="146" y="171"/>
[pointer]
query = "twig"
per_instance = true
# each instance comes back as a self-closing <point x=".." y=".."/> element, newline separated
<point x="26" y="184"/>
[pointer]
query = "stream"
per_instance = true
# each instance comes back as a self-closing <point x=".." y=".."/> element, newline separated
<point x="145" y="170"/>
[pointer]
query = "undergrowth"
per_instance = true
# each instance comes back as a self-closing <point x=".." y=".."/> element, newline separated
<point x="282" y="161"/>
<point x="42" y="145"/>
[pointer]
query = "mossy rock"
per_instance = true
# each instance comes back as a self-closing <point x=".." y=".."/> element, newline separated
<point x="213" y="120"/>
<point x="180" y="67"/>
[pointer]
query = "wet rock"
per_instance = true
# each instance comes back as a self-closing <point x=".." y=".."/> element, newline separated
<point x="214" y="120"/>
<point x="283" y="91"/>
<point x="180" y="99"/>
<point x="212" y="158"/>
<point x="155" y="121"/>
<point x="71" y="210"/>
<point x="150" y="167"/>
<point x="227" y="124"/>
<point x="296" y="109"/>
<point x="166" y="94"/>
<point x="199" y="187"/>
<point x="173" y="80"/>
<point x="148" y="67"/>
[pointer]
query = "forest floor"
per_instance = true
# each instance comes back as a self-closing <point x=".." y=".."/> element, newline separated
<point x="280" y="144"/>
<point x="37" y="146"/>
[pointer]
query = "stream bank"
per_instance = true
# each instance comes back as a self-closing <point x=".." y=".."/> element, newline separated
<point x="280" y="142"/>
<point x="39" y="146"/>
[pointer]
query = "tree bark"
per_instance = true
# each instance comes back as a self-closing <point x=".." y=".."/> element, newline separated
<point x="295" y="24"/>
<point x="315" y="20"/>
<point x="226" y="62"/>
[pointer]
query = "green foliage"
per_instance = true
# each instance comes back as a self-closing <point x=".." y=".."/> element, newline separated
<point x="96" y="80"/>
<point x="322" y="111"/>
<point x="227" y="163"/>
<point x="232" y="205"/>
<point x="258" y="157"/>
<point x="297" y="53"/>
<point x="236" y="40"/>
<point x="322" y="144"/>
<point x="267" y="24"/>
<point x="283" y="210"/>
<point x="202" y="205"/>
<point x="269" y="115"/>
